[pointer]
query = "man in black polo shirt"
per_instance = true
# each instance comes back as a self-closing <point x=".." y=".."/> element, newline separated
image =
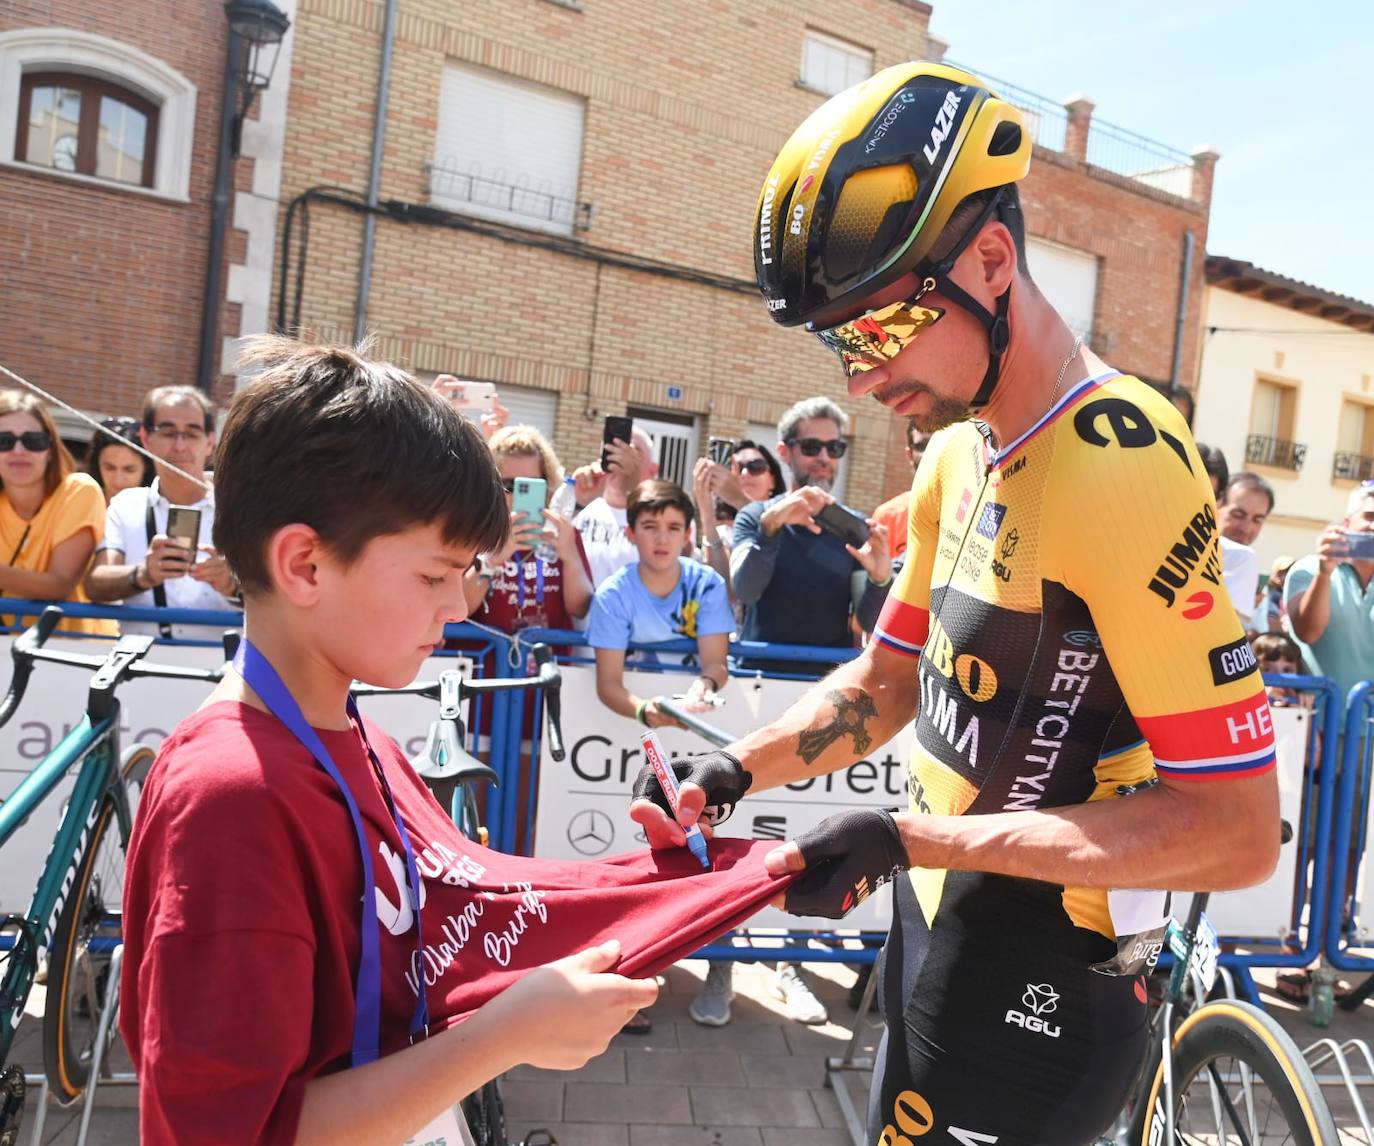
<point x="797" y="582"/>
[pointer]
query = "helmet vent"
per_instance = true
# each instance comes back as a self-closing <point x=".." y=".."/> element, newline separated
<point x="1006" y="139"/>
<point x="865" y="226"/>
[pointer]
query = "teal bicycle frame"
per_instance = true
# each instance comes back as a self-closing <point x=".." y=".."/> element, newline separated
<point x="95" y="747"/>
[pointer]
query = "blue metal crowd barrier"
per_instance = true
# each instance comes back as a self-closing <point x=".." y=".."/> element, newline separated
<point x="1337" y="781"/>
<point x="1348" y="846"/>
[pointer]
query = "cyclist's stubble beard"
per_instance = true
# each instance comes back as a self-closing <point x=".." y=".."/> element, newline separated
<point x="944" y="409"/>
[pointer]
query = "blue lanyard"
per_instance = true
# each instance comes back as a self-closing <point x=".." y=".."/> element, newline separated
<point x="262" y="678"/>
<point x="538" y="584"/>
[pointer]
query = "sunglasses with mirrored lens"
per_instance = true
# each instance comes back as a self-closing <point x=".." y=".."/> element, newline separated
<point x="35" y="441"/>
<point x="755" y="466"/>
<point x="811" y="447"/>
<point x="875" y="338"/>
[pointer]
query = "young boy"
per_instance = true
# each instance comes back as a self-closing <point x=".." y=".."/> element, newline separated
<point x="350" y="501"/>
<point x="664" y="597"/>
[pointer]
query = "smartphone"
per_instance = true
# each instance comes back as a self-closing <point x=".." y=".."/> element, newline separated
<point x="528" y="498"/>
<point x="183" y="524"/>
<point x="844" y="524"/>
<point x="615" y="427"/>
<point x="720" y="449"/>
<point x="1360" y="546"/>
<point x="480" y="397"/>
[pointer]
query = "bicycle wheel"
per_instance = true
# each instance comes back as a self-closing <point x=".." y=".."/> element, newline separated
<point x="87" y="930"/>
<point x="1238" y="1078"/>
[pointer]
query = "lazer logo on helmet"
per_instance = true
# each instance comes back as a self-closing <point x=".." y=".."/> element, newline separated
<point x="944" y="124"/>
<point x="766" y="220"/>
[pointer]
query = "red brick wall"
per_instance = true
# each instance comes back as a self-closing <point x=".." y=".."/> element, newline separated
<point x="684" y="113"/>
<point x="101" y="286"/>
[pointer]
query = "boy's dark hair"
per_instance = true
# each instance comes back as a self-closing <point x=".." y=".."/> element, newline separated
<point x="177" y="396"/>
<point x="654" y="496"/>
<point x="354" y="449"/>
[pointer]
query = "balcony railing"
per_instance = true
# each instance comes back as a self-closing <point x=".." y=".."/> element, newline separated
<point x="1266" y="451"/>
<point x="451" y="185"/>
<point x="1352" y="467"/>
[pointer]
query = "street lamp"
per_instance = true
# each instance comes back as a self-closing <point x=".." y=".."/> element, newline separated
<point x="256" y="28"/>
<point x="259" y="25"/>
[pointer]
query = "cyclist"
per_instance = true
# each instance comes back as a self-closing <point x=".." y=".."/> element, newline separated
<point x="1060" y="633"/>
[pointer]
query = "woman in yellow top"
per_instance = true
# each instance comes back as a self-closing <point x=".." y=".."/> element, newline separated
<point x="51" y="517"/>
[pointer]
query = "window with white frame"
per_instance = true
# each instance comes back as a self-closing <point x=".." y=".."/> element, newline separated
<point x="508" y="150"/>
<point x="96" y="110"/>
<point x="830" y="65"/>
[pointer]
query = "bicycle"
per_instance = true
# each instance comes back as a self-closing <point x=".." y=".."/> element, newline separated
<point x="452" y="774"/>
<point x="1227" y="1073"/>
<point x="75" y="913"/>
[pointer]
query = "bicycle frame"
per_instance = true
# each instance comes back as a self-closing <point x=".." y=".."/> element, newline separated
<point x="94" y="747"/>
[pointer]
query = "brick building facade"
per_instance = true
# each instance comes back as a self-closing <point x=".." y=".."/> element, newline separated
<point x="645" y="301"/>
<point x="102" y="294"/>
<point x="682" y="116"/>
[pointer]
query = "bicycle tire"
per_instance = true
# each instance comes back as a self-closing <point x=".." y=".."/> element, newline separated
<point x="1232" y="1030"/>
<point x="78" y="977"/>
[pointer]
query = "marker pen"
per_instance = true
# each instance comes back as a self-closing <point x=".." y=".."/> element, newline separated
<point x="667" y="779"/>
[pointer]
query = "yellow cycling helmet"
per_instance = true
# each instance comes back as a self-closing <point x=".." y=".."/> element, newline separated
<point x="860" y="193"/>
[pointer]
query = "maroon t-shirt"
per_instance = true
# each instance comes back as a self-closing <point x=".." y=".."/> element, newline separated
<point x="527" y="593"/>
<point x="241" y="916"/>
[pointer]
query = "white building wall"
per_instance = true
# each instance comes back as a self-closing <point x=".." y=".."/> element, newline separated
<point x="1327" y="362"/>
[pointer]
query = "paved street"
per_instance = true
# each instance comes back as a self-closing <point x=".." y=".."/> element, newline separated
<point x="758" y="1082"/>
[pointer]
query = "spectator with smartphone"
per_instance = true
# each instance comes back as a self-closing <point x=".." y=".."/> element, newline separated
<point x="1326" y="593"/>
<point x="662" y="596"/>
<point x="476" y="401"/>
<point x="826" y="577"/>
<point x="1270" y="614"/>
<point x="608" y="483"/>
<point x="51" y="517"/>
<point x="139" y="562"/>
<point x="895" y="513"/>
<point x="539" y="578"/>
<point x="112" y="461"/>
<point x="750" y="473"/>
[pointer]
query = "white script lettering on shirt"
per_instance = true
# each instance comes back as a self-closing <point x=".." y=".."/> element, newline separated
<point x="501" y="945"/>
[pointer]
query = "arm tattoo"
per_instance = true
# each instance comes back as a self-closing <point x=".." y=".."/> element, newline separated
<point x="851" y="717"/>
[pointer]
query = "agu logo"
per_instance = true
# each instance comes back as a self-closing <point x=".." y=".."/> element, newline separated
<point x="1040" y="999"/>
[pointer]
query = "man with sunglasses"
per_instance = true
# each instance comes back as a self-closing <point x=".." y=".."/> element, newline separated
<point x="798" y="582"/>
<point x="1059" y="632"/>
<point x="138" y="563"/>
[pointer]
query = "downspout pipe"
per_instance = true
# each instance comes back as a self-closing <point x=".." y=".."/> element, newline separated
<point x="1186" y="278"/>
<point x="375" y="175"/>
<point x="206" y="369"/>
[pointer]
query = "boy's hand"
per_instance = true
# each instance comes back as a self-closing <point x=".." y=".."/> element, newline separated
<point x="701" y="696"/>
<point x="166" y="560"/>
<point x="570" y="1010"/>
<point x="655" y="717"/>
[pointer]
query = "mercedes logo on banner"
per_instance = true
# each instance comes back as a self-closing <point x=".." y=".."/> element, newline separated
<point x="591" y="832"/>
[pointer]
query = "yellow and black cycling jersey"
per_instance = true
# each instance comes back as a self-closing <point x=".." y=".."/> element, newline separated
<point x="1064" y="595"/>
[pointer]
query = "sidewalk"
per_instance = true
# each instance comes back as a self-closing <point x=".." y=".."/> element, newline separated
<point x="758" y="1082"/>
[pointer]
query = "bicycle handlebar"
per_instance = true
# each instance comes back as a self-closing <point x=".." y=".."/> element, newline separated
<point x="549" y="681"/>
<point x="119" y="664"/>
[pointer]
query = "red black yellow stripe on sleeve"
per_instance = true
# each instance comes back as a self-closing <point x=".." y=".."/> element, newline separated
<point x="903" y="628"/>
<point x="1218" y="743"/>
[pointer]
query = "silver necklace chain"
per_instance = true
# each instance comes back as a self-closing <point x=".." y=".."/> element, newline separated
<point x="1077" y="343"/>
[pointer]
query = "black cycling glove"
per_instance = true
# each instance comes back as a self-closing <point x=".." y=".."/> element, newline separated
<point x="848" y="856"/>
<point x="718" y="774"/>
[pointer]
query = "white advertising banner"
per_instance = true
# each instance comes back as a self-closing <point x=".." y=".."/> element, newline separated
<point x="584" y="801"/>
<point x="150" y="709"/>
<point x="1266" y="910"/>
